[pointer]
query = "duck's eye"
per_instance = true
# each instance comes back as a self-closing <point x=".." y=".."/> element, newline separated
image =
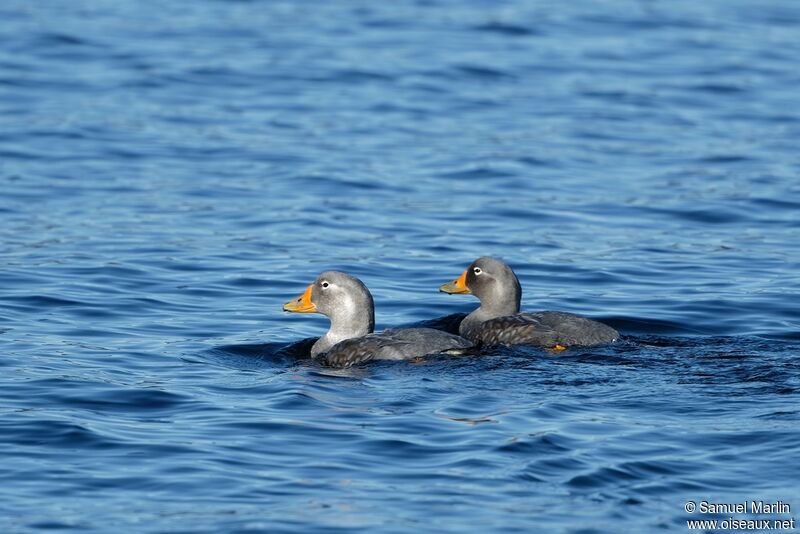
<point x="477" y="270"/>
<point x="325" y="285"/>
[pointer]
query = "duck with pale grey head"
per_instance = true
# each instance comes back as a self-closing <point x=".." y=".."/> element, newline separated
<point x="498" y="321"/>
<point x="350" y="340"/>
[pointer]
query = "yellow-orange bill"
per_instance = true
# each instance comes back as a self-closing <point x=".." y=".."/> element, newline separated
<point x="301" y="304"/>
<point x="457" y="286"/>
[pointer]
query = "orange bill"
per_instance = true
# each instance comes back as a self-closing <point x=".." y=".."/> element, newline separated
<point x="457" y="286"/>
<point x="301" y="304"/>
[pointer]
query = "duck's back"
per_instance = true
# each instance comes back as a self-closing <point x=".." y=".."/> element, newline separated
<point x="402" y="344"/>
<point x="546" y="328"/>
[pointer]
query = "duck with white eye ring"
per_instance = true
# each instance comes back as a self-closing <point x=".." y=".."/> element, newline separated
<point x="350" y="340"/>
<point x="498" y="321"/>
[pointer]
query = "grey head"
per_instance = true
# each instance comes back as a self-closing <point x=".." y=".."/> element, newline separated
<point x="495" y="285"/>
<point x="345" y="300"/>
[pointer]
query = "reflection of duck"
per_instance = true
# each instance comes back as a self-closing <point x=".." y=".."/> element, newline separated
<point x="347" y="302"/>
<point x="499" y="321"/>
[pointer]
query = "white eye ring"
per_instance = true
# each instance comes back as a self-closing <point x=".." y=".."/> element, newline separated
<point x="324" y="285"/>
<point x="477" y="270"/>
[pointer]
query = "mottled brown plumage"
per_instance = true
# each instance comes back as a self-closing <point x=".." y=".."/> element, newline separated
<point x="393" y="344"/>
<point x="546" y="328"/>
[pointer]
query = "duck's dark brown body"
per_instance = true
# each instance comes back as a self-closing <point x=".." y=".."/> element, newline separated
<point x="403" y="344"/>
<point x="546" y="328"/>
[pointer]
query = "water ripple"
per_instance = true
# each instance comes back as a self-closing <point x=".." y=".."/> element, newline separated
<point x="167" y="186"/>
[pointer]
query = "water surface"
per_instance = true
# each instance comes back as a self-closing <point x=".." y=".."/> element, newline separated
<point x="171" y="174"/>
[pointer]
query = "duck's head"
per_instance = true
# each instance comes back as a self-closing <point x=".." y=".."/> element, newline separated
<point x="344" y="299"/>
<point x="491" y="280"/>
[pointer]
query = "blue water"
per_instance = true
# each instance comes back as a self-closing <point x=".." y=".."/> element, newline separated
<point x="172" y="172"/>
